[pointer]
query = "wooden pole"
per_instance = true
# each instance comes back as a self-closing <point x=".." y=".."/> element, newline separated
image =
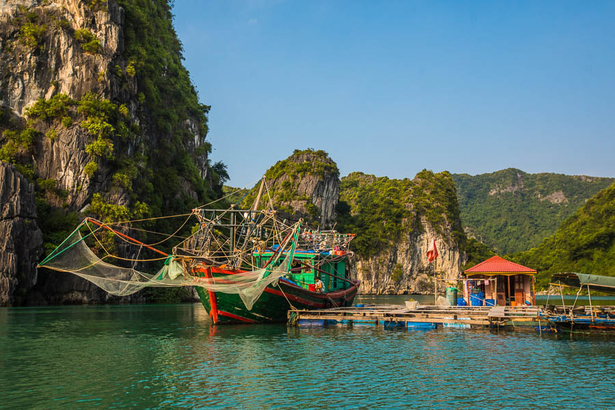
<point x="591" y="309"/>
<point x="435" y="286"/>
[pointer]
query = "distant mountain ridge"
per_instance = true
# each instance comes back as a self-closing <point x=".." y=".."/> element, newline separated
<point x="512" y="211"/>
<point x="584" y="243"/>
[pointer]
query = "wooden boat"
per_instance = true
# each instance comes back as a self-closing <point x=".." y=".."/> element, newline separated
<point x="321" y="254"/>
<point x="583" y="318"/>
<point x="247" y="266"/>
<point x="295" y="291"/>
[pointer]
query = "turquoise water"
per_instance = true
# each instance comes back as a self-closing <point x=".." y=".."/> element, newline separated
<point x="145" y="356"/>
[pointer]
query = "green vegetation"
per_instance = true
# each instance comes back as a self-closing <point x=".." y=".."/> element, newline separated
<point x="303" y="162"/>
<point x="130" y="70"/>
<point x="97" y="5"/>
<point x="512" y="211"/>
<point x="31" y="34"/>
<point x="398" y="272"/>
<point x="56" y="107"/>
<point x="90" y="169"/>
<point x="89" y="43"/>
<point x="67" y="122"/>
<point x="52" y="135"/>
<point x="285" y="177"/>
<point x="108" y="212"/>
<point x="476" y="252"/>
<point x="382" y="210"/>
<point x="584" y="243"/>
<point x="16" y="143"/>
<point x="234" y="195"/>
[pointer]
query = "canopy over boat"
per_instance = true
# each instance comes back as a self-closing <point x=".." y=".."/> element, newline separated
<point x="577" y="280"/>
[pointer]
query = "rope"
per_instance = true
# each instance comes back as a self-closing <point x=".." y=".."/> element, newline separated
<point x="281" y="290"/>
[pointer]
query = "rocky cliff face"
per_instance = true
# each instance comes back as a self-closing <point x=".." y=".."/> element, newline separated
<point x="20" y="238"/>
<point x="94" y="100"/>
<point x="42" y="58"/>
<point x="395" y="221"/>
<point x="403" y="268"/>
<point x="305" y="185"/>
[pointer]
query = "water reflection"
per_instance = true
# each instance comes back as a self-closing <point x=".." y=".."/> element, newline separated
<point x="169" y="356"/>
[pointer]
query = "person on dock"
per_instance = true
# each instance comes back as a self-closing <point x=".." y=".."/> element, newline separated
<point x="318" y="285"/>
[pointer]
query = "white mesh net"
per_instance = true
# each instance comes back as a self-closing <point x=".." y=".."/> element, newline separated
<point x="75" y="256"/>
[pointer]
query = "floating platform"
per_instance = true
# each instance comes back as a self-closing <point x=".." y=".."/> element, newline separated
<point x="424" y="317"/>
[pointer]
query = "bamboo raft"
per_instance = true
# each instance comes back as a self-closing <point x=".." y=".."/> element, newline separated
<point x="391" y="316"/>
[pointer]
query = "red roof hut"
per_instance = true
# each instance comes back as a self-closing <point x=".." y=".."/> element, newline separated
<point x="500" y="281"/>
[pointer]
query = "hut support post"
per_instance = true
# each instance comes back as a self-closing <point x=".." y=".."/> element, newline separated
<point x="534" y="290"/>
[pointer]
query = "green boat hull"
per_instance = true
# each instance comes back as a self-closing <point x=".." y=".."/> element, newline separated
<point x="274" y="303"/>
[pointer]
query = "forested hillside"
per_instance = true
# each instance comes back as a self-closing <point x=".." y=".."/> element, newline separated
<point x="380" y="209"/>
<point x="585" y="242"/>
<point x="512" y="211"/>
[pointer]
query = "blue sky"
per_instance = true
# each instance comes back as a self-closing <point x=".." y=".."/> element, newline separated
<point x="392" y="87"/>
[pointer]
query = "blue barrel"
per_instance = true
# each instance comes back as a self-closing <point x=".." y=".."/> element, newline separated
<point x="476" y="298"/>
<point x="489" y="302"/>
<point x="421" y="325"/>
<point x="461" y="302"/>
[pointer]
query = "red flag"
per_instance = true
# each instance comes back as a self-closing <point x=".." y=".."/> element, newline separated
<point x="432" y="252"/>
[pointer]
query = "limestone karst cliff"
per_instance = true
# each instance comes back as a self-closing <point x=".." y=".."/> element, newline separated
<point x="97" y="108"/>
<point x="395" y="220"/>
<point x="20" y="238"/>
<point x="304" y="185"/>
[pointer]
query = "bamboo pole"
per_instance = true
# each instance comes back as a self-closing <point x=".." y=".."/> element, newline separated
<point x="591" y="309"/>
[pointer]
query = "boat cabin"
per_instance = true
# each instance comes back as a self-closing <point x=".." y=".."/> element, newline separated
<point x="498" y="281"/>
<point x="330" y="266"/>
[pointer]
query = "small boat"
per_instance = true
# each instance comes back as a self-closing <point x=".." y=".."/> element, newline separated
<point x="597" y="318"/>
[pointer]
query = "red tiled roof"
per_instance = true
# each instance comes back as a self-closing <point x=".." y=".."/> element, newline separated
<point x="497" y="264"/>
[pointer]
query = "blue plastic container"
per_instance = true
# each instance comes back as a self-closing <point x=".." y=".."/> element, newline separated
<point x="387" y="324"/>
<point x="311" y="323"/>
<point x="359" y="305"/>
<point x="422" y="325"/>
<point x="461" y="302"/>
<point x="477" y="298"/>
<point x="489" y="302"/>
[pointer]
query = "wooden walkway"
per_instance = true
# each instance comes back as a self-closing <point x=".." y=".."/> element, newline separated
<point x="424" y="316"/>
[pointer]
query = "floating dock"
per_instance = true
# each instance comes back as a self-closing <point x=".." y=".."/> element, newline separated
<point x="425" y="317"/>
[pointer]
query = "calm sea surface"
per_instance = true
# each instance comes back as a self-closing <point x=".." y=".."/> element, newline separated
<point x="162" y="356"/>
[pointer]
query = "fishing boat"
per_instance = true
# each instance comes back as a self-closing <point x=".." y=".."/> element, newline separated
<point x="247" y="265"/>
<point x="296" y="289"/>
<point x="572" y="318"/>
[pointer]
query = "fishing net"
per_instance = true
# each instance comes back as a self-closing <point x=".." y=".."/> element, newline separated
<point x="74" y="255"/>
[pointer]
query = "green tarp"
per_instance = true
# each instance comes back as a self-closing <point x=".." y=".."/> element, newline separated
<point x="576" y="280"/>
